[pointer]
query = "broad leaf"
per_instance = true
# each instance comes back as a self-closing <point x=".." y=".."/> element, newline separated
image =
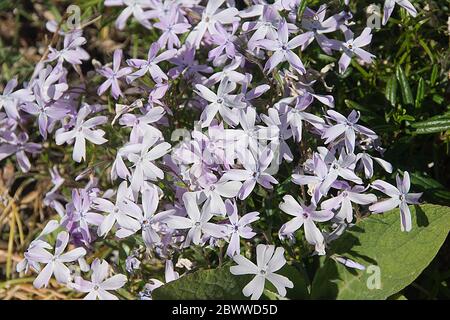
<point x="377" y="241"/>
<point x="220" y="284"/>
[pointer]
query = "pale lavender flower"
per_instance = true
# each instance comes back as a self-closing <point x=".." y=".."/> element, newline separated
<point x="151" y="64"/>
<point x="197" y="223"/>
<point x="268" y="261"/>
<point x="225" y="42"/>
<point x="99" y="285"/>
<point x="213" y="193"/>
<point x="343" y="201"/>
<point x="282" y="49"/>
<point x="352" y="47"/>
<point x="54" y="262"/>
<point x="18" y="145"/>
<point x="72" y="51"/>
<point x="115" y="212"/>
<point x="10" y="99"/>
<point x="46" y="112"/>
<point x="346" y="127"/>
<point x="148" y="221"/>
<point x="253" y="172"/>
<point x="133" y="7"/>
<point x="113" y="75"/>
<point x="238" y="227"/>
<point x="26" y="263"/>
<point x="171" y="28"/>
<point x="367" y="163"/>
<point x="210" y="17"/>
<point x="284" y="133"/>
<point x="83" y="130"/>
<point x="187" y="66"/>
<point x="305" y="216"/>
<point x="389" y="8"/>
<point x="79" y="216"/>
<point x="400" y="197"/>
<point x="223" y="103"/>
<point x="144" y="168"/>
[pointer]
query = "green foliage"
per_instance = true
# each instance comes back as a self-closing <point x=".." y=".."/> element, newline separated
<point x="374" y="241"/>
<point x="378" y="241"/>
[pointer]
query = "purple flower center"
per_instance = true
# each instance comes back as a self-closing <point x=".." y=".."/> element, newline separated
<point x="305" y="215"/>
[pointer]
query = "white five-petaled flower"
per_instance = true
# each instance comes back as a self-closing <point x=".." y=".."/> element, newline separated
<point x="400" y="196"/>
<point x="268" y="261"/>
<point x="83" y="130"/>
<point x="54" y="262"/>
<point x="147" y="219"/>
<point x="99" y="286"/>
<point x="305" y="216"/>
<point x="197" y="223"/>
<point x="143" y="161"/>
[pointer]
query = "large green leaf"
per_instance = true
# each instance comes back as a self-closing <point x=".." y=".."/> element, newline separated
<point x="377" y="241"/>
<point x="220" y="284"/>
<point x="215" y="284"/>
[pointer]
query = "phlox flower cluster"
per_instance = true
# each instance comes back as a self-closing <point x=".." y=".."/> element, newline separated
<point x="253" y="100"/>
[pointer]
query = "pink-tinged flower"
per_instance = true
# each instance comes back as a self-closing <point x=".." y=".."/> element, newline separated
<point x="343" y="201"/>
<point x="151" y="64"/>
<point x="147" y="220"/>
<point x="210" y="17"/>
<point x="305" y="216"/>
<point x="83" y="130"/>
<point x="171" y="28"/>
<point x="268" y="261"/>
<point x="389" y="8"/>
<point x="253" y="172"/>
<point x="54" y="262"/>
<point x="99" y="285"/>
<point x="113" y="76"/>
<point x="238" y="227"/>
<point x="346" y="129"/>
<point x="133" y="7"/>
<point x="10" y="99"/>
<point x="223" y="103"/>
<point x="400" y="197"/>
<point x="197" y="223"/>
<point x="282" y="49"/>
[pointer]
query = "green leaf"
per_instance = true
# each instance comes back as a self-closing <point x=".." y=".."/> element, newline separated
<point x="215" y="284"/>
<point x="391" y="90"/>
<point x="220" y="284"/>
<point x="420" y="94"/>
<point x="378" y="241"/>
<point x="433" y="125"/>
<point x="404" y="86"/>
